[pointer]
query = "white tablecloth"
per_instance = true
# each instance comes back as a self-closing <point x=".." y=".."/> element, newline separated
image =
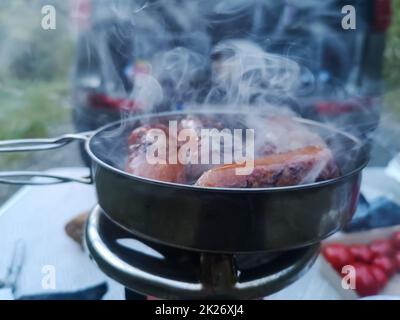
<point x="38" y="214"/>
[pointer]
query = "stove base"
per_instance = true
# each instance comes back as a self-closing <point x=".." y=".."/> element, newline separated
<point x="158" y="270"/>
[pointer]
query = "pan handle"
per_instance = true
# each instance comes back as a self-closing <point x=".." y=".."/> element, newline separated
<point x="26" y="177"/>
<point x="23" y="145"/>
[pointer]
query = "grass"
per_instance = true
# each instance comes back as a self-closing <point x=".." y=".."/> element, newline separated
<point x="392" y="64"/>
<point x="392" y="50"/>
<point x="392" y="102"/>
<point x="34" y="68"/>
<point x="27" y="111"/>
<point x="30" y="110"/>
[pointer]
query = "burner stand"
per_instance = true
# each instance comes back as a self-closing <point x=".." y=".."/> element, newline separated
<point x="166" y="272"/>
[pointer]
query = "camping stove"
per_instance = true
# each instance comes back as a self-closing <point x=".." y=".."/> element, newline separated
<point x="153" y="268"/>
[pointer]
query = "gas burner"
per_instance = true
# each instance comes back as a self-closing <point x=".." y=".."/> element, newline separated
<point x="167" y="272"/>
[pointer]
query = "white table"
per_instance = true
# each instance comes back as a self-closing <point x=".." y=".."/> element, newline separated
<point x="38" y="215"/>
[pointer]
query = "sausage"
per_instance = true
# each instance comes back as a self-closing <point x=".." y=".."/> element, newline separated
<point x="282" y="134"/>
<point x="304" y="165"/>
<point x="137" y="163"/>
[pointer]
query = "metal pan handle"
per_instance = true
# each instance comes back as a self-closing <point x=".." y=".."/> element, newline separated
<point x="26" y="177"/>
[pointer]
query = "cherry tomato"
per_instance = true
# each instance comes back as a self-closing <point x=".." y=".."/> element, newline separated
<point x="361" y="253"/>
<point x="397" y="261"/>
<point x="366" y="283"/>
<point x="379" y="275"/>
<point x="396" y="240"/>
<point x="386" y="263"/>
<point x="382" y="247"/>
<point x="338" y="255"/>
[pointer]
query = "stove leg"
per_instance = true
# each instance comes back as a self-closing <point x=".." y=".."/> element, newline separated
<point x="132" y="295"/>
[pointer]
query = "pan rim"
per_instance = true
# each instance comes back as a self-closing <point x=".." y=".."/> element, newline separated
<point x="187" y="187"/>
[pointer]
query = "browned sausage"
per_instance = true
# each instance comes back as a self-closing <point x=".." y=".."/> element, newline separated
<point x="138" y="164"/>
<point x="304" y="165"/>
<point x="283" y="134"/>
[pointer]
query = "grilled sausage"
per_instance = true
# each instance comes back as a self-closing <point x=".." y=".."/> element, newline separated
<point x="282" y="134"/>
<point x="304" y="165"/>
<point x="138" y="164"/>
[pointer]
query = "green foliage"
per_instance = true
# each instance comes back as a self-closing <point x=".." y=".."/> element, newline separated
<point x="392" y="52"/>
<point x="392" y="102"/>
<point x="29" y="109"/>
<point x="27" y="51"/>
<point x="392" y="63"/>
<point x="34" y="68"/>
<point x="34" y="71"/>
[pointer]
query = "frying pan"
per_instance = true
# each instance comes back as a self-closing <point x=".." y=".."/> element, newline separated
<point x="209" y="219"/>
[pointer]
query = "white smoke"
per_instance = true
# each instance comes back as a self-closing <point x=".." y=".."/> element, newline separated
<point x="244" y="74"/>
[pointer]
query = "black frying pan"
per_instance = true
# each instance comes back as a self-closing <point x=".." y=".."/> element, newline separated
<point x="210" y="219"/>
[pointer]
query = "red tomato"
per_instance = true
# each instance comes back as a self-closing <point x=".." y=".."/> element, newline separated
<point x="366" y="283"/>
<point x="396" y="240"/>
<point x="361" y="253"/>
<point x="382" y="247"/>
<point x="338" y="255"/>
<point x="380" y="276"/>
<point x="387" y="264"/>
<point x="397" y="260"/>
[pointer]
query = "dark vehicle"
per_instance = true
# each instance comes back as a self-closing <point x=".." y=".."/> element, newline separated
<point x="120" y="40"/>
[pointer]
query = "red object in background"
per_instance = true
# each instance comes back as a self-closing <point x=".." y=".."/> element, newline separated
<point x="397" y="261"/>
<point x="338" y="255"/>
<point x="382" y="247"/>
<point x="100" y="100"/>
<point x="380" y="276"/>
<point x="386" y="263"/>
<point x="366" y="283"/>
<point x="374" y="264"/>
<point x="396" y="240"/>
<point x="382" y="16"/>
<point x="335" y="108"/>
<point x="361" y="253"/>
<point x="81" y="11"/>
<point x="330" y="107"/>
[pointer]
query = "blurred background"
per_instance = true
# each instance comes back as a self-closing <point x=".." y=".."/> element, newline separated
<point x="79" y="76"/>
